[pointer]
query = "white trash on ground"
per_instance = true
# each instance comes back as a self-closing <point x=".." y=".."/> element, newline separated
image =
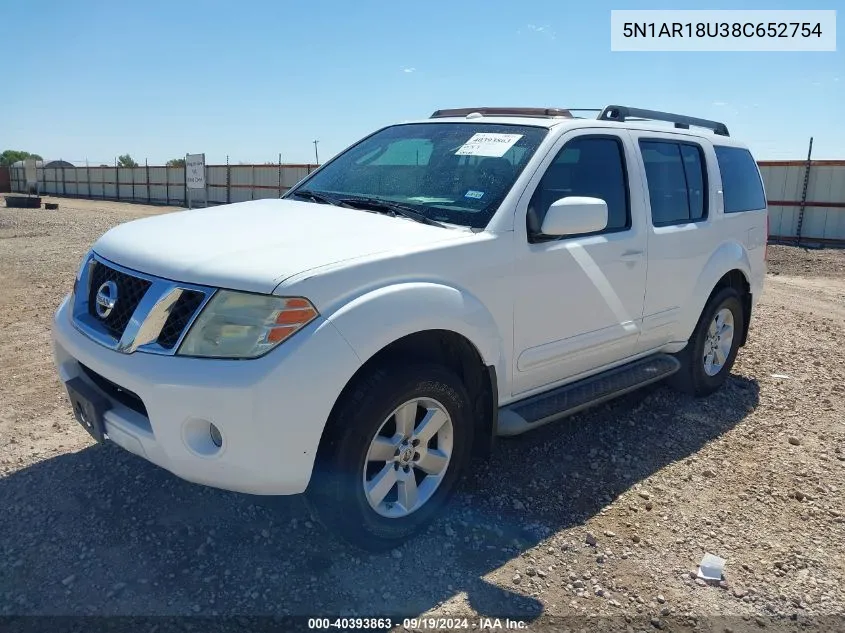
<point x="711" y="568"/>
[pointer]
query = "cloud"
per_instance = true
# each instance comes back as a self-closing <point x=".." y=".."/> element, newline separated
<point x="719" y="104"/>
<point x="540" y="29"/>
<point x="409" y="70"/>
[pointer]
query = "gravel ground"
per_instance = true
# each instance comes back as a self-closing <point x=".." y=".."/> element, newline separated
<point x="605" y="514"/>
<point x="806" y="262"/>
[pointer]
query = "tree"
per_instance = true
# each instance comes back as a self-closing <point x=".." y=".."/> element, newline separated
<point x="176" y="162"/>
<point x="11" y="156"/>
<point x="126" y="161"/>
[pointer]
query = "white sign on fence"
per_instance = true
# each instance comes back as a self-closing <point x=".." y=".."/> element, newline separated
<point x="30" y="175"/>
<point x="195" y="175"/>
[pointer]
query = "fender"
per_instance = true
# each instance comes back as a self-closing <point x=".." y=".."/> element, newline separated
<point x="374" y="320"/>
<point x="729" y="256"/>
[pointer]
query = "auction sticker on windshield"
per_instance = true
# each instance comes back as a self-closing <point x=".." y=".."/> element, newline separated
<point x="486" y="144"/>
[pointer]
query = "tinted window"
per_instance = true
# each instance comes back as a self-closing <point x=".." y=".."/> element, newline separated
<point x="677" y="186"/>
<point x="741" y="185"/>
<point x="586" y="166"/>
<point x="696" y="189"/>
<point x="667" y="184"/>
<point x="414" y="151"/>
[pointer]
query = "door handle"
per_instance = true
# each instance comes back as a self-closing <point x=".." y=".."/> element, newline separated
<point x="632" y="253"/>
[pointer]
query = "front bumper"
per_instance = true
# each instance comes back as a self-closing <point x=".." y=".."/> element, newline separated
<point x="270" y="411"/>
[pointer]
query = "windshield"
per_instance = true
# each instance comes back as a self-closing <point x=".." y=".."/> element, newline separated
<point x="457" y="173"/>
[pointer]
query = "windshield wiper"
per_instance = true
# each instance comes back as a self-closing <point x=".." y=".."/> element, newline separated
<point x="392" y="208"/>
<point x="321" y="198"/>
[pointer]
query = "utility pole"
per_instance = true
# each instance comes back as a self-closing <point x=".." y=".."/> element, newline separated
<point x="316" y="155"/>
<point x="804" y="193"/>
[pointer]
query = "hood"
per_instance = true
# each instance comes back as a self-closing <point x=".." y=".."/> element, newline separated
<point x="253" y="246"/>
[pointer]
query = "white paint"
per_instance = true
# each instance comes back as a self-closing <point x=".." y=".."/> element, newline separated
<point x="542" y="314"/>
<point x="255" y="245"/>
<point x="264" y="408"/>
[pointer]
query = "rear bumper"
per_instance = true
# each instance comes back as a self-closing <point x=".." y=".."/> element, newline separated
<point x="270" y="411"/>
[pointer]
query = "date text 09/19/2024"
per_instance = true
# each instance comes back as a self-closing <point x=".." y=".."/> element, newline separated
<point x="421" y="624"/>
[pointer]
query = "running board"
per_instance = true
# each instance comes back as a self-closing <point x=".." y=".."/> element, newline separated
<point x="543" y="408"/>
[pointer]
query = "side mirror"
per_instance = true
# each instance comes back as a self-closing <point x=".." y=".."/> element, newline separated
<point x="575" y="215"/>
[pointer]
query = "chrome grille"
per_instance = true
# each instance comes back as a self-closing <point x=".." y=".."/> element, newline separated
<point x="150" y="314"/>
<point x="183" y="311"/>
<point x="130" y="290"/>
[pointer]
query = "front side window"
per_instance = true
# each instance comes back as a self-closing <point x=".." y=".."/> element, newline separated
<point x="592" y="166"/>
<point x="741" y="185"/>
<point x="677" y="185"/>
<point x="457" y="173"/>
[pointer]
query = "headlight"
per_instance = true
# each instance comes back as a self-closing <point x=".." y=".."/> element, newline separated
<point x="244" y="325"/>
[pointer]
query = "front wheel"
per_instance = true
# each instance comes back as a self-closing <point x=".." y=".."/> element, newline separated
<point x="397" y="444"/>
<point x="707" y="359"/>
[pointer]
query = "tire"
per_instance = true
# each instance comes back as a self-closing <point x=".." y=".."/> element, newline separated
<point x="383" y="404"/>
<point x="697" y="377"/>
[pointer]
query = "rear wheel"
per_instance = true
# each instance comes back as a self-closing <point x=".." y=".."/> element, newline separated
<point x="707" y="359"/>
<point x="397" y="445"/>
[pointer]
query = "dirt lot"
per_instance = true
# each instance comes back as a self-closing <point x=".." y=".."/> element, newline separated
<point x="755" y="474"/>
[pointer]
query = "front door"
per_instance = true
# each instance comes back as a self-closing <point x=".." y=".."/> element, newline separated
<point x="579" y="299"/>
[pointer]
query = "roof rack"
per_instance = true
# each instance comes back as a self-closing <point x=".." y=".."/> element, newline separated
<point x="621" y="113"/>
<point x="616" y="113"/>
<point x="526" y="112"/>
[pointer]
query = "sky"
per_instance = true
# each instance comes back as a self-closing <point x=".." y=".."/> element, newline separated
<point x="250" y="80"/>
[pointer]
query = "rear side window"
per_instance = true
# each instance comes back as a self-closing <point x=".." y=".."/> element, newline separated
<point x="741" y="185"/>
<point x="677" y="184"/>
<point x="694" y="172"/>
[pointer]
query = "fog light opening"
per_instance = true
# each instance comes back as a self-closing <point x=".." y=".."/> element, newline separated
<point x="202" y="437"/>
<point x="216" y="437"/>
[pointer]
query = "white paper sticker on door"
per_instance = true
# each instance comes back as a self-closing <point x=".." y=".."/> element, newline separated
<point x="486" y="144"/>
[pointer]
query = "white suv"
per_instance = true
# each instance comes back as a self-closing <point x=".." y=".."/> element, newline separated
<point x="439" y="283"/>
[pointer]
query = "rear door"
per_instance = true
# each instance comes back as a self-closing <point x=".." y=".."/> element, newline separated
<point x="681" y="180"/>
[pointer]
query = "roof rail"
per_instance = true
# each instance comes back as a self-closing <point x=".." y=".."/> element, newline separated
<point x="527" y="112"/>
<point x="621" y="113"/>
